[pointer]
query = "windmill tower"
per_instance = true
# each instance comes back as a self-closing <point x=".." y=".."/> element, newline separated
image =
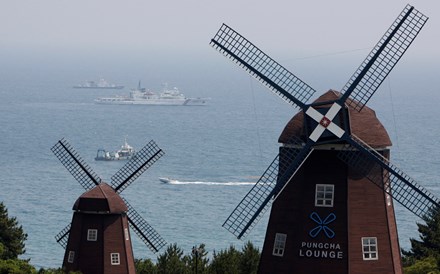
<point x="98" y="238"/>
<point x="331" y="185"/>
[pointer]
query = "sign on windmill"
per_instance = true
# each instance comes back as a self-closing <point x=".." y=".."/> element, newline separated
<point x="331" y="185"/>
<point x="98" y="238"/>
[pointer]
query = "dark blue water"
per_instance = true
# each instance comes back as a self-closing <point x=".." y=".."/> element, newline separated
<point x="214" y="151"/>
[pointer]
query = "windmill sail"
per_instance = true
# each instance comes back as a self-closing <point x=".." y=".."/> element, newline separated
<point x="356" y="93"/>
<point x="278" y="79"/>
<point x="365" y="160"/>
<point x="143" y="159"/>
<point x="62" y="236"/>
<point x="258" y="200"/>
<point x="75" y="165"/>
<point x="384" y="56"/>
<point x="145" y="231"/>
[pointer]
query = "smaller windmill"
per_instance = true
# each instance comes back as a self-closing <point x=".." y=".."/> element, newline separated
<point x="98" y="238"/>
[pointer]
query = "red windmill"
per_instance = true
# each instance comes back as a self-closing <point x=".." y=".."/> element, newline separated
<point x="327" y="216"/>
<point x="98" y="239"/>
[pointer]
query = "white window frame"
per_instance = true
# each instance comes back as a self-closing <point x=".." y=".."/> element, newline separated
<point x="279" y="244"/>
<point x="324" y="195"/>
<point x="71" y="257"/>
<point x="92" y="235"/>
<point x="369" y="248"/>
<point x="115" y="259"/>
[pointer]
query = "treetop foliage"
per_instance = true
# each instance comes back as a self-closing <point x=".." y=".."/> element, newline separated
<point x="12" y="237"/>
<point x="228" y="261"/>
<point x="424" y="255"/>
<point x="429" y="243"/>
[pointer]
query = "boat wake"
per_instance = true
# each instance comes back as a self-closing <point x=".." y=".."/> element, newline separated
<point x="177" y="182"/>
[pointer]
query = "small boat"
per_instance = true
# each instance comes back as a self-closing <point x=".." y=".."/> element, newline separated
<point x="101" y="84"/>
<point x="142" y="96"/>
<point x="166" y="180"/>
<point x="125" y="153"/>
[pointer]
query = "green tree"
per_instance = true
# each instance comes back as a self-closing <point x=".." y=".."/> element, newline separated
<point x="56" y="271"/>
<point x="16" y="266"/>
<point x="197" y="261"/>
<point x="171" y="262"/>
<point x="429" y="243"/>
<point x="229" y="261"/>
<point x="226" y="261"/>
<point x="427" y="265"/>
<point x="250" y="258"/>
<point x="145" y="266"/>
<point x="12" y="237"/>
<point x="424" y="255"/>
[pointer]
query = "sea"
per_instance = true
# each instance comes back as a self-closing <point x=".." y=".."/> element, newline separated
<point x="214" y="152"/>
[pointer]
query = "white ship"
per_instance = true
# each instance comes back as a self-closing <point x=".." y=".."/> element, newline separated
<point x="101" y="84"/>
<point x="141" y="96"/>
<point x="125" y="153"/>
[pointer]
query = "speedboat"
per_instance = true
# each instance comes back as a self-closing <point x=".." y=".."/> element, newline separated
<point x="166" y="180"/>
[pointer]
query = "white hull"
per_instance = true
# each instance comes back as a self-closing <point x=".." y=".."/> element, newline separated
<point x="166" y="180"/>
<point x="154" y="102"/>
<point x="125" y="153"/>
<point x="141" y="96"/>
<point x="101" y="84"/>
<point x="110" y="87"/>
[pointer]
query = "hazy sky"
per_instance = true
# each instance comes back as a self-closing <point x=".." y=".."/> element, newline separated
<point x="305" y="27"/>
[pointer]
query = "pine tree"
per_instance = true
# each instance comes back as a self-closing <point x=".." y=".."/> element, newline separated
<point x="171" y="262"/>
<point x="12" y="237"/>
<point x="145" y="266"/>
<point x="197" y="261"/>
<point x="226" y="261"/>
<point x="429" y="243"/>
<point x="250" y="258"/>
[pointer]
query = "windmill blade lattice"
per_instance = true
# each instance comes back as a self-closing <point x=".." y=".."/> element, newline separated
<point x="142" y="160"/>
<point x="62" y="236"/>
<point x="278" y="79"/>
<point x="145" y="231"/>
<point x="396" y="183"/>
<point x="75" y="165"/>
<point x="258" y="200"/>
<point x="360" y="88"/>
<point x="384" y="56"/>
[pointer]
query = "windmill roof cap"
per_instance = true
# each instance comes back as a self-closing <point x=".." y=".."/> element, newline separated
<point x="101" y="198"/>
<point x="363" y="124"/>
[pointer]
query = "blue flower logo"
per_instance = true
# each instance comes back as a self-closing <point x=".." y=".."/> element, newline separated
<point x="322" y="225"/>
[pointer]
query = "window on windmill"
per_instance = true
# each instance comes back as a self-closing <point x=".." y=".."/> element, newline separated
<point x="71" y="257"/>
<point x="369" y="248"/>
<point x="114" y="258"/>
<point x="92" y="235"/>
<point x="324" y="195"/>
<point x="279" y="244"/>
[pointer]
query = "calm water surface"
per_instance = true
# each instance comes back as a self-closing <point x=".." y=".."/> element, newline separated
<point x="214" y="151"/>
